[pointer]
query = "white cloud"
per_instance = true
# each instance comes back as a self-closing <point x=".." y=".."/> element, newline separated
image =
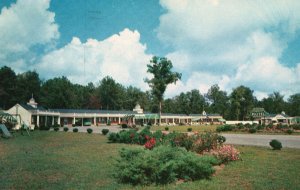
<point x="120" y="56"/>
<point x="231" y="43"/>
<point x="198" y="80"/>
<point x="24" y="24"/>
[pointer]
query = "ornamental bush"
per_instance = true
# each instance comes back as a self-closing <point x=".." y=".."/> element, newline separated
<point x="56" y="128"/>
<point x="167" y="128"/>
<point x="105" y="131"/>
<point x="75" y="130"/>
<point x="89" y="130"/>
<point x="224" y="128"/>
<point x="66" y="129"/>
<point x="252" y="130"/>
<point x="124" y="126"/>
<point x="189" y="129"/>
<point x="162" y="165"/>
<point x="275" y="144"/>
<point x="289" y="131"/>
<point x="226" y="153"/>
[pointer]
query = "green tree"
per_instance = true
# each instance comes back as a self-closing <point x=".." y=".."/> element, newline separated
<point x="7" y="87"/>
<point x="197" y="101"/>
<point x="218" y="100"/>
<point x="242" y="101"/>
<point x="161" y="68"/>
<point x="274" y="103"/>
<point x="294" y="105"/>
<point x="111" y="94"/>
<point x="28" y="84"/>
<point x="58" y="93"/>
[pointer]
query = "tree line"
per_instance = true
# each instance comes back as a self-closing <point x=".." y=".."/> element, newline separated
<point x="108" y="94"/>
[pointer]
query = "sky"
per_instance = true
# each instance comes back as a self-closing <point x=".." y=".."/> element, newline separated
<point x="230" y="43"/>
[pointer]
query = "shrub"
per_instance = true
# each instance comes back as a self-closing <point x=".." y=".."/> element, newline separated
<point x="289" y="131"/>
<point x="189" y="129"/>
<point x="161" y="165"/>
<point x="225" y="128"/>
<point x="89" y="130"/>
<point x="108" y="122"/>
<point x="66" y="129"/>
<point x="56" y="128"/>
<point x="183" y="140"/>
<point x="44" y="128"/>
<point x="296" y="126"/>
<point x="275" y="144"/>
<point x="252" y="130"/>
<point x="167" y="128"/>
<point x="105" y="131"/>
<point x="226" y="153"/>
<point x="221" y="139"/>
<point x="114" y="137"/>
<point x="150" y="143"/>
<point x="124" y="126"/>
<point x="75" y="130"/>
<point x="205" y="142"/>
<point x="73" y="125"/>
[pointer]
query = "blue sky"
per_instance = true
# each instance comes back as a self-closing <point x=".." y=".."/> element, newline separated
<point x="229" y="43"/>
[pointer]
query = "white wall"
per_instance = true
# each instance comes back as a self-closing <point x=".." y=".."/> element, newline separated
<point x="25" y="115"/>
<point x="242" y="122"/>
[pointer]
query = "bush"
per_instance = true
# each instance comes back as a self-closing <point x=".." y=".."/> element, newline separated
<point x="124" y="126"/>
<point x="108" y="123"/>
<point x="226" y="153"/>
<point x="252" y="130"/>
<point x="89" y="130"/>
<point x="296" y="126"/>
<point x="225" y="128"/>
<point x="275" y="144"/>
<point x="206" y="142"/>
<point x="114" y="137"/>
<point x="161" y="165"/>
<point x="183" y="140"/>
<point x="105" y="131"/>
<point x="289" y="131"/>
<point x="75" y="130"/>
<point x="221" y="139"/>
<point x="73" y="125"/>
<point x="189" y="129"/>
<point x="56" y="128"/>
<point x="44" y="128"/>
<point x="66" y="129"/>
<point x="167" y="128"/>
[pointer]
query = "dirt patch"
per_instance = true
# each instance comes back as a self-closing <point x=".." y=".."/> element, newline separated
<point x="218" y="169"/>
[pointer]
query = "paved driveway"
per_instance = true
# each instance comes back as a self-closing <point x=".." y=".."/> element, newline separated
<point x="291" y="141"/>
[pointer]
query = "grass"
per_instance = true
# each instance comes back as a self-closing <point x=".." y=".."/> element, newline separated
<point x="183" y="128"/>
<point x="59" y="160"/>
<point x="212" y="128"/>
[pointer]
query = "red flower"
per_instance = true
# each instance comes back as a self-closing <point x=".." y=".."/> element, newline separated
<point x="150" y="143"/>
<point x="147" y="137"/>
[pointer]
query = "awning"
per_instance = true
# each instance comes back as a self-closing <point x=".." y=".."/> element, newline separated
<point x="7" y="117"/>
<point x="146" y="116"/>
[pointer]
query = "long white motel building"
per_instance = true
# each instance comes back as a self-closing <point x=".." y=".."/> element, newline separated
<point x="33" y="115"/>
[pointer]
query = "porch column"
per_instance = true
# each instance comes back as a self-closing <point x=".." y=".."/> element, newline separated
<point x="52" y="120"/>
<point x="95" y="121"/>
<point x="58" y="120"/>
<point x="38" y="120"/>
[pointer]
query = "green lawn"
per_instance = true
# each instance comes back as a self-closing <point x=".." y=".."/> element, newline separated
<point x="59" y="160"/>
<point x="183" y="128"/>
